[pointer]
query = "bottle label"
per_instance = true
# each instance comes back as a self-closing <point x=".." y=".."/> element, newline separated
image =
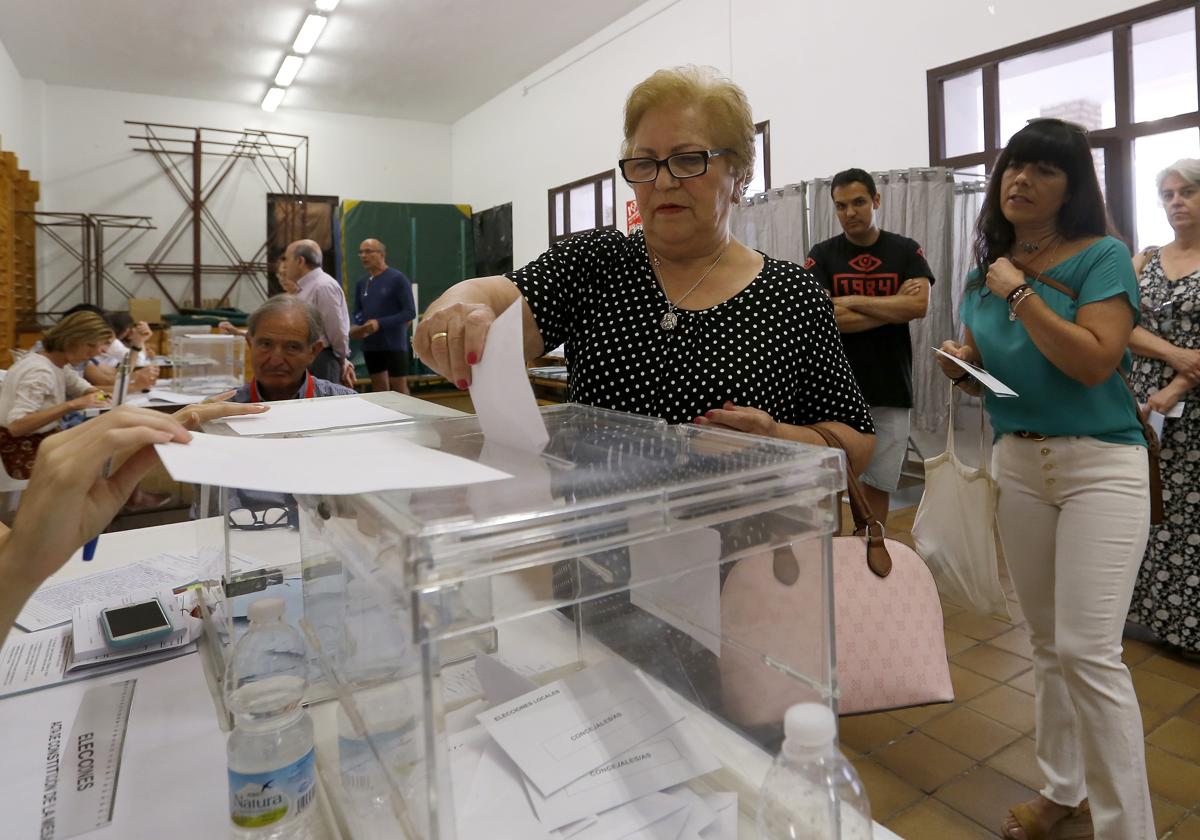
<point x="258" y="799"/>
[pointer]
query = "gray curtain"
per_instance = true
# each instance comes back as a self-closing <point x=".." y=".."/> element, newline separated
<point x="773" y="222"/>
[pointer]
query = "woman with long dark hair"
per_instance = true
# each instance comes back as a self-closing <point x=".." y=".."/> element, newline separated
<point x="1049" y="310"/>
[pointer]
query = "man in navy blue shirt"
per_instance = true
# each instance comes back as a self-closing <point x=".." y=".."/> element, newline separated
<point x="383" y="306"/>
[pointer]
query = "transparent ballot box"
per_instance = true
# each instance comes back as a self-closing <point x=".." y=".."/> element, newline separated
<point x="605" y="638"/>
<point x="206" y="364"/>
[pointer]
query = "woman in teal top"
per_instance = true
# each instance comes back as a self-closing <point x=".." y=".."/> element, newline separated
<point x="1073" y="511"/>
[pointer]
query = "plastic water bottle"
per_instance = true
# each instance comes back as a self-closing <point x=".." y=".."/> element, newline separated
<point x="812" y="791"/>
<point x="272" y="766"/>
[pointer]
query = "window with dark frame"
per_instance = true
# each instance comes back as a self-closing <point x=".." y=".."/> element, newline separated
<point x="762" y="159"/>
<point x="586" y="204"/>
<point x="1131" y="79"/>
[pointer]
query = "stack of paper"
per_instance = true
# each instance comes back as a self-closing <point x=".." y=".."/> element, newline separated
<point x="600" y="755"/>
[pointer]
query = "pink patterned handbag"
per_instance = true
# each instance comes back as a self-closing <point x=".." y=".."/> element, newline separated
<point x="891" y="651"/>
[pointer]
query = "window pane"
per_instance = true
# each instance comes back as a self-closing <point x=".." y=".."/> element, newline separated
<point x="606" y="201"/>
<point x="759" y="182"/>
<point x="559" y="227"/>
<point x="1073" y="83"/>
<point x="583" y="208"/>
<point x="1164" y="66"/>
<point x="1099" y="161"/>
<point x="962" y="100"/>
<point x="1151" y="155"/>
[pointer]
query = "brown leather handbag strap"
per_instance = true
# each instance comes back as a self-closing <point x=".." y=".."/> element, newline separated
<point x="1152" y="443"/>
<point x="878" y="559"/>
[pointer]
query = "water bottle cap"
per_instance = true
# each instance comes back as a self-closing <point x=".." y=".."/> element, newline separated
<point x="266" y="609"/>
<point x="809" y="726"/>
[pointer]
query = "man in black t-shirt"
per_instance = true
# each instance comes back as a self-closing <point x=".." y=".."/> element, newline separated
<point x="879" y="281"/>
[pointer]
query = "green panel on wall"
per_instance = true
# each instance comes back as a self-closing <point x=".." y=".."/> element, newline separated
<point x="432" y="243"/>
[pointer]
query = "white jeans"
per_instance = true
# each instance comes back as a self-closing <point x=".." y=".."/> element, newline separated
<point x="1073" y="516"/>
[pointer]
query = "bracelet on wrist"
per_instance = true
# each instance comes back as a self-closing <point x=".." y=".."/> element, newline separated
<point x="1018" y="290"/>
<point x="1017" y="299"/>
<point x="965" y="377"/>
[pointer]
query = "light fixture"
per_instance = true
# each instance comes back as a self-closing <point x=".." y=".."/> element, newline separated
<point x="288" y="70"/>
<point x="273" y="99"/>
<point x="309" y="33"/>
<point x="327" y="5"/>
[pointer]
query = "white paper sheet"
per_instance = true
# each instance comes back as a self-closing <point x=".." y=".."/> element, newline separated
<point x="333" y="464"/>
<point x="691" y="601"/>
<point x="309" y="415"/>
<point x="497" y="808"/>
<point x="725" y="826"/>
<point x="673" y="756"/>
<point x="162" y="395"/>
<point x="500" y="389"/>
<point x="52" y="605"/>
<point x="986" y="379"/>
<point x="634" y="816"/>
<point x="569" y="727"/>
<point x="173" y="744"/>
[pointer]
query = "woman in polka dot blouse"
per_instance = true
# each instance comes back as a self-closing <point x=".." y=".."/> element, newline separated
<point x="680" y="321"/>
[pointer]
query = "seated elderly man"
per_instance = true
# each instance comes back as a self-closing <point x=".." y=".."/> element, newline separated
<point x="284" y="336"/>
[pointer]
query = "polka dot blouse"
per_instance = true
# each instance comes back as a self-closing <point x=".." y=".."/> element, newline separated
<point x="773" y="346"/>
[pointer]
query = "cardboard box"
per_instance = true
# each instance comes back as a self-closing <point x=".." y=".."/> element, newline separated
<point x="146" y="309"/>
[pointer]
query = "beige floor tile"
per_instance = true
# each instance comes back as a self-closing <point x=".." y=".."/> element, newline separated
<point x="956" y="643"/>
<point x="1179" y="737"/>
<point x="1006" y="704"/>
<point x="992" y="662"/>
<point x="922" y="714"/>
<point x="1189" y="829"/>
<point x="968" y="684"/>
<point x="971" y="733"/>
<point x="984" y="796"/>
<point x="1153" y="718"/>
<point x="1024" y="682"/>
<point x="1135" y="652"/>
<point x="889" y="794"/>
<point x="1019" y="761"/>
<point x="978" y="627"/>
<point x="867" y="732"/>
<point x="919" y="760"/>
<point x="1192" y="711"/>
<point x="931" y="820"/>
<point x="1014" y="641"/>
<point x="1172" y="667"/>
<point x="1159" y="692"/>
<point x="1171" y="777"/>
<point x="1166" y="814"/>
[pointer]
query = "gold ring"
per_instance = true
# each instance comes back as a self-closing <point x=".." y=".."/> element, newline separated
<point x="437" y="335"/>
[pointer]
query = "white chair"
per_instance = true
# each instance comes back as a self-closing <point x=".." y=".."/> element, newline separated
<point x="10" y="490"/>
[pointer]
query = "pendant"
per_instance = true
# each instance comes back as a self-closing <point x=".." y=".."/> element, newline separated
<point x="669" y="320"/>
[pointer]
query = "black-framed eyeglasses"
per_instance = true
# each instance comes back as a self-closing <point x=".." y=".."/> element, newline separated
<point x="642" y="170"/>
<point x="245" y="519"/>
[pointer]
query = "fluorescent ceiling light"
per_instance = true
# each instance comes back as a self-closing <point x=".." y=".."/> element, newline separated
<point x="273" y="99"/>
<point x="288" y="70"/>
<point x="327" y="5"/>
<point x="309" y="33"/>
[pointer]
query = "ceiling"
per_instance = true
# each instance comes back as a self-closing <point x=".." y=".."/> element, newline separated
<point x="430" y="60"/>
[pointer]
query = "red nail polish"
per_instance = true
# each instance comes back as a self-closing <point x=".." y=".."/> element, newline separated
<point x="472" y="358"/>
<point x="462" y="384"/>
<point x="708" y="414"/>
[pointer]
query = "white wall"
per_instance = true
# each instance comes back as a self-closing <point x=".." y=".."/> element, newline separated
<point x="12" y="99"/>
<point x="90" y="166"/>
<point x="843" y="84"/>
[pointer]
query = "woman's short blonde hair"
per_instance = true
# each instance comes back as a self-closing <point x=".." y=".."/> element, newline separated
<point x="723" y="104"/>
<point x="1186" y="168"/>
<point x="77" y="328"/>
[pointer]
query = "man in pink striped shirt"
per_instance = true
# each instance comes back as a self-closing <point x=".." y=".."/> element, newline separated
<point x="300" y="272"/>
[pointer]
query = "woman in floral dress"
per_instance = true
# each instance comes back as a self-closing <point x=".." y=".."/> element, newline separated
<point x="1166" y="371"/>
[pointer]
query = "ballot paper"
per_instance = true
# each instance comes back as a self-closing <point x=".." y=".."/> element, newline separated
<point x="673" y="756"/>
<point x="326" y="464"/>
<point x="500" y="389"/>
<point x="1157" y="419"/>
<point x="725" y="826"/>
<point x="567" y="728"/>
<point x="310" y="415"/>
<point x="668" y="828"/>
<point x="982" y="376"/>
<point x="495" y="807"/>
<point x="162" y="395"/>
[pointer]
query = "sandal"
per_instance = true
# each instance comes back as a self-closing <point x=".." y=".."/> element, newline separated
<point x="1076" y="824"/>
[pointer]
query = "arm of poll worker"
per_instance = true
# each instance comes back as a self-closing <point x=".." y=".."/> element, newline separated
<point x="451" y="336"/>
<point x="68" y="492"/>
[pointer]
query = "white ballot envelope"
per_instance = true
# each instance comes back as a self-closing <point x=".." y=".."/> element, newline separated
<point x="567" y="728"/>
<point x="985" y="379"/>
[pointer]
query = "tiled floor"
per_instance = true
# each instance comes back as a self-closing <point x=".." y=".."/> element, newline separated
<point x="950" y="772"/>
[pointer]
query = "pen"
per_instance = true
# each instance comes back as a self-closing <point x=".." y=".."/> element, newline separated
<point x="118" y="397"/>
